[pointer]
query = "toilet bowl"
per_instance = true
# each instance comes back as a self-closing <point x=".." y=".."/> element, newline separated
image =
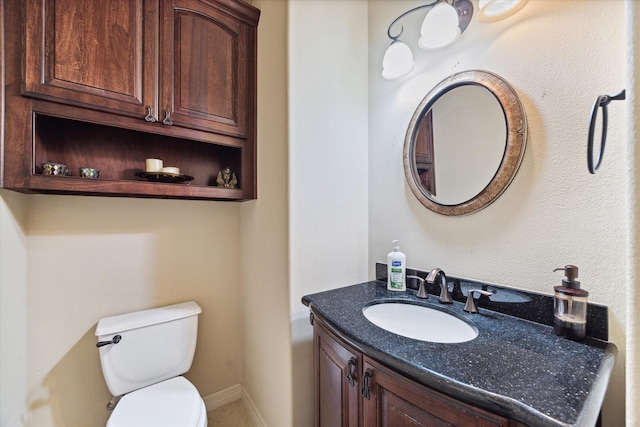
<point x="143" y="356"/>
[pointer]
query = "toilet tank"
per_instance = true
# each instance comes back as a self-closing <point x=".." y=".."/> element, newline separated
<point x="154" y="345"/>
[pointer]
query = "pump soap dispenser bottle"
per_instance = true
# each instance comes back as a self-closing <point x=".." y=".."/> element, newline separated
<point x="396" y="267"/>
<point x="570" y="306"/>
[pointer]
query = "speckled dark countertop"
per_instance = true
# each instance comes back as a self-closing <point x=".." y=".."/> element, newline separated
<point x="515" y="368"/>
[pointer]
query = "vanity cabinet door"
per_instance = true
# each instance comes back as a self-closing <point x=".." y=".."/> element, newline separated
<point x="337" y="381"/>
<point x="95" y="54"/>
<point x="395" y="401"/>
<point x="207" y="75"/>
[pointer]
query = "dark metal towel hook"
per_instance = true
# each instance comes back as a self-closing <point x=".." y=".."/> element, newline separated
<point x="601" y="101"/>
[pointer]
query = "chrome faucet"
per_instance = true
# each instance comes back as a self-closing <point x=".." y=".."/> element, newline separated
<point x="445" y="298"/>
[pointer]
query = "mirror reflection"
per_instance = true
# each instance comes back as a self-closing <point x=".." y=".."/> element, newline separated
<point x="459" y="144"/>
<point x="464" y="143"/>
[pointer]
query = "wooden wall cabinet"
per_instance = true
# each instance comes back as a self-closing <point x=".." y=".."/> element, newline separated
<point x="204" y="57"/>
<point x="379" y="396"/>
<point x="107" y="84"/>
<point x="94" y="54"/>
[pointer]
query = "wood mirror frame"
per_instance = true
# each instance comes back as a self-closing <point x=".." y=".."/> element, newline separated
<point x="516" y="137"/>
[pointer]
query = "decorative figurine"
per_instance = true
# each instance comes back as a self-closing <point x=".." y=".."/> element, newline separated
<point x="227" y="179"/>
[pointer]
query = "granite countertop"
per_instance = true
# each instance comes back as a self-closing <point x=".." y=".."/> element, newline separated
<point x="516" y="368"/>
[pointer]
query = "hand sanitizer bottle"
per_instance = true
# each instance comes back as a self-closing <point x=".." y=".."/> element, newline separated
<point x="396" y="265"/>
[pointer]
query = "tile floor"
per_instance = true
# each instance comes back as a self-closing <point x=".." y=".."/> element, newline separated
<point x="230" y="415"/>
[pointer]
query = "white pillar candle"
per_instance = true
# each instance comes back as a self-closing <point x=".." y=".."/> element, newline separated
<point x="154" y="165"/>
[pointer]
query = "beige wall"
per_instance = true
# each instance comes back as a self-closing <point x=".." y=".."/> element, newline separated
<point x="92" y="257"/>
<point x="328" y="145"/>
<point x="13" y="307"/>
<point x="633" y="153"/>
<point x="265" y="249"/>
<point x="328" y="150"/>
<point x="559" y="56"/>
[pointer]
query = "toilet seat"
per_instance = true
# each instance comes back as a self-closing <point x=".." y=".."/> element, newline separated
<point x="171" y="403"/>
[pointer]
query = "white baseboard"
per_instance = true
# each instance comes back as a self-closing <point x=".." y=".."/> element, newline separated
<point x="251" y="408"/>
<point x="221" y="398"/>
<point x="231" y="394"/>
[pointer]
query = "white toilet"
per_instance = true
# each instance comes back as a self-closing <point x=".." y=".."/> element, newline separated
<point x="143" y="355"/>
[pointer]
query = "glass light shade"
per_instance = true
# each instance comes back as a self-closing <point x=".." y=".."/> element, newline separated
<point x="440" y="27"/>
<point x="496" y="10"/>
<point x="397" y="61"/>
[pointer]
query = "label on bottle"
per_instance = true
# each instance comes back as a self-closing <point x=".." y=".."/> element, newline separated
<point x="396" y="276"/>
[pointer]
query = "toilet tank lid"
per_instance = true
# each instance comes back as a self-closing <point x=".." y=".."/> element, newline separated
<point x="140" y="319"/>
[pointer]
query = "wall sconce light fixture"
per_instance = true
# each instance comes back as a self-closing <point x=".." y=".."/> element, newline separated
<point x="496" y="10"/>
<point x="442" y="25"/>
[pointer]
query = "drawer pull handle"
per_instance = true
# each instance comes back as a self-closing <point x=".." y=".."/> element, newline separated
<point x="167" y="118"/>
<point x="149" y="117"/>
<point x="351" y="380"/>
<point x="365" y="391"/>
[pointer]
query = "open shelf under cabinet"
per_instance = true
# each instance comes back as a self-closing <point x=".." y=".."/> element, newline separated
<point x="119" y="153"/>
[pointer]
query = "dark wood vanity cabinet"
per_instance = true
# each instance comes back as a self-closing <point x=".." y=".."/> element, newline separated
<point x="337" y="373"/>
<point x="379" y="396"/>
<point x="107" y="84"/>
<point x="394" y="400"/>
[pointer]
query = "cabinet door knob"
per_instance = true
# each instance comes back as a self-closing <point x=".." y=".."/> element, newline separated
<point x="149" y="117"/>
<point x="350" y="368"/>
<point x="167" y="118"/>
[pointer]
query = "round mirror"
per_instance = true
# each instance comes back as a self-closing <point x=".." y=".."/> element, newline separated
<point x="464" y="143"/>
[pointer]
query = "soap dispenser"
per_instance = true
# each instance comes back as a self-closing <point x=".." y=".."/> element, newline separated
<point x="396" y="269"/>
<point x="570" y="306"/>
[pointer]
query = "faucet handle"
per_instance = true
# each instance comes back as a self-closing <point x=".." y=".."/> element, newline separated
<point x="445" y="297"/>
<point x="470" y="305"/>
<point x="422" y="292"/>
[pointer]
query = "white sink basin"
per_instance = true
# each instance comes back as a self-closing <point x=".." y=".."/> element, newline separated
<point x="419" y="322"/>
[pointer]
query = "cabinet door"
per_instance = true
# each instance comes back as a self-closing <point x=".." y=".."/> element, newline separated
<point x="395" y="401"/>
<point x="92" y="53"/>
<point x="337" y="381"/>
<point x="207" y="63"/>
